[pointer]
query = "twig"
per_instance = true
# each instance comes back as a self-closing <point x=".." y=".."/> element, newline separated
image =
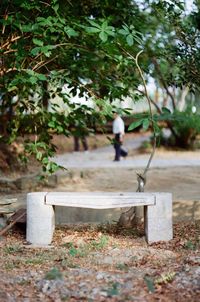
<point x="5" y="229"/>
<point x="151" y="116"/>
<point x="43" y="63"/>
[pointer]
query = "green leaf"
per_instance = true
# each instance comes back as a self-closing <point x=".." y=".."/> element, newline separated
<point x="135" y="125"/>
<point x="70" y="32"/>
<point x="38" y="42"/>
<point x="26" y="28"/>
<point x="51" y="124"/>
<point x="44" y="21"/>
<point x="165" y="110"/>
<point x="94" y="24"/>
<point x="92" y="30"/>
<point x="35" y="51"/>
<point x="156" y="129"/>
<point x="129" y="40"/>
<point x="145" y="124"/>
<point x="103" y="36"/>
<point x="123" y="32"/>
<point x="137" y="39"/>
<point x="30" y="72"/>
<point x="180" y="5"/>
<point x="110" y="32"/>
<point x="39" y="155"/>
<point x="33" y="80"/>
<point x="46" y="50"/>
<point x="56" y="7"/>
<point x="150" y="284"/>
<point x="45" y="160"/>
<point x="113" y="291"/>
<point x="73" y="251"/>
<point x="104" y="25"/>
<point x="12" y="88"/>
<point x="60" y="129"/>
<point x="41" y="77"/>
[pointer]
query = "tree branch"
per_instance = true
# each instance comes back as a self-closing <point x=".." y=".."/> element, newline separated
<point x="163" y="82"/>
<point x="142" y="177"/>
<point x="13" y="39"/>
<point x="43" y="63"/>
<point x="152" y="101"/>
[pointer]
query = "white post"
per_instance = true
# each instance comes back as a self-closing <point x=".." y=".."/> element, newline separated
<point x="40" y="219"/>
<point x="158" y="219"/>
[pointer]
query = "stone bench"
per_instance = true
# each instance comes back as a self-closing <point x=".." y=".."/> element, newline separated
<point x="41" y="211"/>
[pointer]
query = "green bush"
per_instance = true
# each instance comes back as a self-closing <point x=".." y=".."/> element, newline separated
<point x="185" y="127"/>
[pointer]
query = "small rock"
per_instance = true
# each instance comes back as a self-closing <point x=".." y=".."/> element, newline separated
<point x="193" y="260"/>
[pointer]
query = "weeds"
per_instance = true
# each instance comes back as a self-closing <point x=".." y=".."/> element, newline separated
<point x="81" y="251"/>
<point x="113" y="290"/>
<point x="54" y="274"/>
<point x="12" y="249"/>
<point x="122" y="267"/>
<point x="189" y="245"/>
<point x="150" y="284"/>
<point x="163" y="278"/>
<point x="35" y="261"/>
<point x="98" y="245"/>
<point x="10" y="265"/>
<point x="68" y="263"/>
<point x="84" y="249"/>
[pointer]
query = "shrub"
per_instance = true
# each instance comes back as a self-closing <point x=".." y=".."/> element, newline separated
<point x="185" y="127"/>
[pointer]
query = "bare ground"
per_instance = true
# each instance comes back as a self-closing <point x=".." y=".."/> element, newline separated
<point x="102" y="263"/>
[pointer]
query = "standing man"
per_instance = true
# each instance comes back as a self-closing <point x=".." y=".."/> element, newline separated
<point x="79" y="126"/>
<point x="118" y="131"/>
<point x="77" y="138"/>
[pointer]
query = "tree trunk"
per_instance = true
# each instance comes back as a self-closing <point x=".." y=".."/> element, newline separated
<point x="127" y="219"/>
<point x="9" y="161"/>
<point x="182" y="101"/>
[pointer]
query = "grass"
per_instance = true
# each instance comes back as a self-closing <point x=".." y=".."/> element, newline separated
<point x="13" y="249"/>
<point x="54" y="274"/>
<point x="84" y="249"/>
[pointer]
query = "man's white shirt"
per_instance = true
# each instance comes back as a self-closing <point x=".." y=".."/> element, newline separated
<point x="118" y="125"/>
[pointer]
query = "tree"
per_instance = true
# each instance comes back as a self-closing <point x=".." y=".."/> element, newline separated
<point x="52" y="42"/>
<point x="91" y="46"/>
<point x="171" y="38"/>
<point x="177" y="69"/>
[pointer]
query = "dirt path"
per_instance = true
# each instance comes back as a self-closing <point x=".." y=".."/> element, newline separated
<point x="103" y="157"/>
<point x="183" y="182"/>
<point x="174" y="171"/>
<point x="171" y="171"/>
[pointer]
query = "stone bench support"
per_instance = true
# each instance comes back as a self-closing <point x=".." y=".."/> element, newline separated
<point x="41" y="214"/>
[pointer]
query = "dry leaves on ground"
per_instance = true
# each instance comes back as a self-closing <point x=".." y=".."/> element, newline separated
<point x="102" y="263"/>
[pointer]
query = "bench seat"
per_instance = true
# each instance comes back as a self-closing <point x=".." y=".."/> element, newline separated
<point x="41" y="211"/>
<point x="99" y="200"/>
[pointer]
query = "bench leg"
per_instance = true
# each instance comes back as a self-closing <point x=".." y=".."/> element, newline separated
<point x="40" y="219"/>
<point x="158" y="219"/>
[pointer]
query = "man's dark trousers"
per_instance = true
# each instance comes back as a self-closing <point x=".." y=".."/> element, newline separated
<point x="118" y="150"/>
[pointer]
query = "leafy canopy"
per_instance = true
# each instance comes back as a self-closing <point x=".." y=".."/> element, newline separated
<point x="90" y="46"/>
